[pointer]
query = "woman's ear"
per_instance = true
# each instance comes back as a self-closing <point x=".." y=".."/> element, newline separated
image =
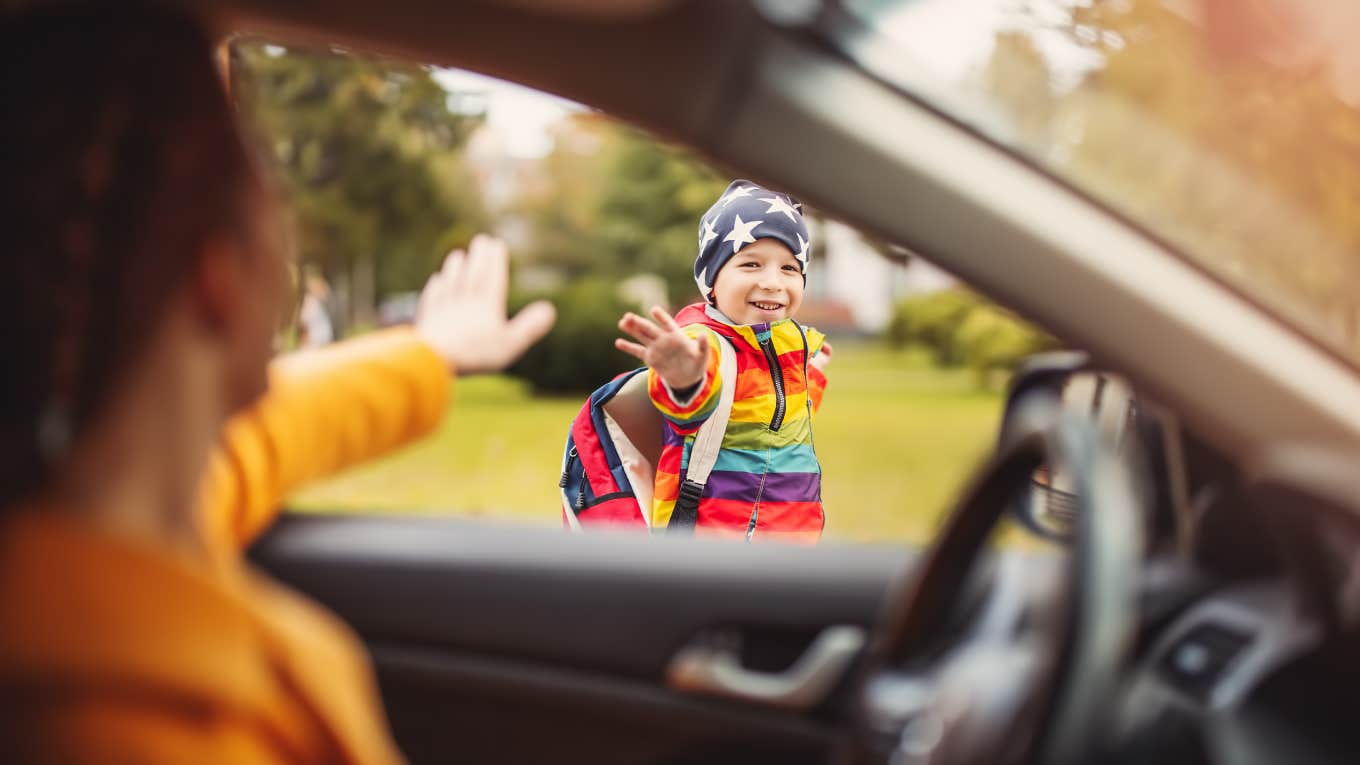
<point x="219" y="285"/>
<point x="235" y="298"/>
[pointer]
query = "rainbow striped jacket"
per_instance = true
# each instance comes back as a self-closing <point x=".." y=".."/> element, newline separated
<point x="767" y="482"/>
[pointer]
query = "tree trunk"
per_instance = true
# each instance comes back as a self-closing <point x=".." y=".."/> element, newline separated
<point x="363" y="288"/>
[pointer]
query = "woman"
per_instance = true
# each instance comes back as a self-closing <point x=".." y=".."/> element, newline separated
<point x="140" y="449"/>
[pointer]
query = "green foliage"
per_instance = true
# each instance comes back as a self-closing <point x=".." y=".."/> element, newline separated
<point x="932" y="321"/>
<point x="368" y="153"/>
<point x="993" y="340"/>
<point x="578" y="355"/>
<point x="623" y="205"/>
<point x="959" y="328"/>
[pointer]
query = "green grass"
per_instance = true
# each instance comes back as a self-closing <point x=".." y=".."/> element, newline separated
<point x="896" y="438"/>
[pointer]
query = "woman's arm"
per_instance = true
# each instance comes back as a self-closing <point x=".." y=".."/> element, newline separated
<point x="326" y="410"/>
<point x="330" y="408"/>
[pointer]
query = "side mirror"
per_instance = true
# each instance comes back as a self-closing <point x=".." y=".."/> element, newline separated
<point x="1047" y="506"/>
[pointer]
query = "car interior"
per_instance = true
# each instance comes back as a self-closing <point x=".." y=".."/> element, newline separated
<point x="1205" y="604"/>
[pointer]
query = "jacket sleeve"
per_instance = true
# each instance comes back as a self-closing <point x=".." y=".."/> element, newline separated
<point x="687" y="415"/>
<point x="326" y="409"/>
<point x="816" y="378"/>
<point x="816" y="387"/>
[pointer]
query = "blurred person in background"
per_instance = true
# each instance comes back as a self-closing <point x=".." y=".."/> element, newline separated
<point x="314" y="318"/>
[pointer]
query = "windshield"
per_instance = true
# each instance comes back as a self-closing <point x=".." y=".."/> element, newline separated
<point x="1230" y="134"/>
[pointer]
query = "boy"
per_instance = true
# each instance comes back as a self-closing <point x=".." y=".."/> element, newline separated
<point x="751" y="270"/>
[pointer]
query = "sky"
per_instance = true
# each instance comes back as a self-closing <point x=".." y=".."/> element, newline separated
<point x="954" y="38"/>
<point x="520" y="115"/>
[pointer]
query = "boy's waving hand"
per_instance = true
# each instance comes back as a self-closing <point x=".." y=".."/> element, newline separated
<point x="681" y="360"/>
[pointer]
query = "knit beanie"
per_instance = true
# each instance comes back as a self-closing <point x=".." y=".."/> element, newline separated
<point x="747" y="212"/>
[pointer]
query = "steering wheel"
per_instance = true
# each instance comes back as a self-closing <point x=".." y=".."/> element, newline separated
<point x="966" y="671"/>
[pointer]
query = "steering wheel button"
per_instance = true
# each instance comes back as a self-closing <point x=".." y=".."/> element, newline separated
<point x="1197" y="662"/>
<point x="1192" y="659"/>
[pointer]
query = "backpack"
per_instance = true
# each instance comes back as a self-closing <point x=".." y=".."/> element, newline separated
<point x="608" y="465"/>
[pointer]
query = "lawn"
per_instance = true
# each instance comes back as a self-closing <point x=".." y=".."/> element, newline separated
<point x="896" y="437"/>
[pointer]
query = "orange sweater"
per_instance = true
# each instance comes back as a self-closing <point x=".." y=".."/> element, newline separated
<point x="116" y="650"/>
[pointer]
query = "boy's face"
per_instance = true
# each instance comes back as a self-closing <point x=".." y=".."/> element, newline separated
<point x="761" y="283"/>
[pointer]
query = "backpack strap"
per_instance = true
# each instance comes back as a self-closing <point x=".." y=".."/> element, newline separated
<point x="703" y="455"/>
<point x="807" y="359"/>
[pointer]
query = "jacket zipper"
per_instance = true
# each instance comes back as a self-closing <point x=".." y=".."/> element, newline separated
<point x="777" y="375"/>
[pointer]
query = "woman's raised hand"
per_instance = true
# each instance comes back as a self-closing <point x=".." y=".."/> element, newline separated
<point x="662" y="345"/>
<point x="462" y="311"/>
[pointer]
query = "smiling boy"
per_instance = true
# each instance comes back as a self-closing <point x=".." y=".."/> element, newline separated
<point x="751" y="269"/>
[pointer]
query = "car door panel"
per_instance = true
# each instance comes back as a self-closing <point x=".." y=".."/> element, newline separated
<point x="520" y="644"/>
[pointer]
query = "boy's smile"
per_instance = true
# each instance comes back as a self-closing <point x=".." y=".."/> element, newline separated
<point x="762" y="283"/>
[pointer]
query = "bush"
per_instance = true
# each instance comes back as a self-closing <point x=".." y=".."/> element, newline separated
<point x="961" y="329"/>
<point x="578" y="355"/>
<point x="991" y="340"/>
<point x="933" y="321"/>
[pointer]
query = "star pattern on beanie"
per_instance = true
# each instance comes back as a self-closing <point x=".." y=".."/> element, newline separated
<point x="741" y="233"/>
<point x="778" y="205"/>
<point x="701" y="279"/>
<point x="734" y="195"/>
<point x="709" y="234"/>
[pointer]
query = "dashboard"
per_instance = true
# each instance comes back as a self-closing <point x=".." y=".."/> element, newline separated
<point x="1259" y="662"/>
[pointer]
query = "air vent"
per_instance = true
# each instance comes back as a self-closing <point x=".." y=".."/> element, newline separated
<point x="1197" y="661"/>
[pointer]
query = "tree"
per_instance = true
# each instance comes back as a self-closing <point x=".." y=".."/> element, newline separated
<point x="624" y="205"/>
<point x="368" y="153"/>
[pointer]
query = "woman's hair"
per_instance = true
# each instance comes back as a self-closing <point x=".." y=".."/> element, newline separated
<point x="120" y="159"/>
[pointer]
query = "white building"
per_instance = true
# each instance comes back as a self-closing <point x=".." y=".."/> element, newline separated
<point x="853" y="273"/>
